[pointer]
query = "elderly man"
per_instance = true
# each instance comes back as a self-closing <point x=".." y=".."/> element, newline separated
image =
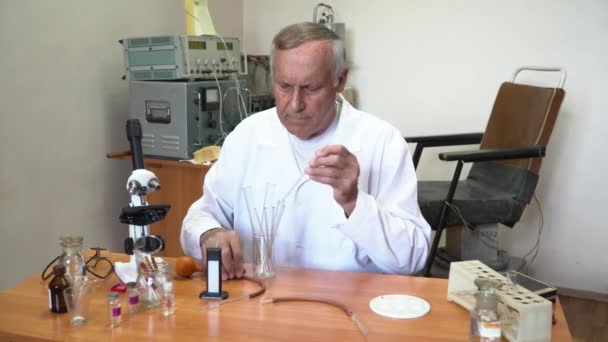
<point x="346" y="176"/>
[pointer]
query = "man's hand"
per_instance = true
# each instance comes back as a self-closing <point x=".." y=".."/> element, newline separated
<point x="335" y="166"/>
<point x="230" y="243"/>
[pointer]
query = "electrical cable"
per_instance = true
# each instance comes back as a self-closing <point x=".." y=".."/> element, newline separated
<point x="540" y="230"/>
<point x="534" y="249"/>
<point x="46" y="276"/>
<point x="261" y="283"/>
<point x="226" y="94"/>
<point x="238" y="86"/>
<point x="240" y="97"/>
<point x="218" y="141"/>
<point x="493" y="243"/>
<point x="87" y="268"/>
<point x="337" y="304"/>
<point x="97" y="258"/>
<point x="459" y="214"/>
<point x="221" y="100"/>
<point x="234" y="67"/>
<point x="536" y="246"/>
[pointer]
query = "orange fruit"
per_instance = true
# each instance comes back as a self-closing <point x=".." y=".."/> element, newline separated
<point x="185" y="266"/>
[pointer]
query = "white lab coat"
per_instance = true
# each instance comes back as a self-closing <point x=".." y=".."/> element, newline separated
<point x="385" y="232"/>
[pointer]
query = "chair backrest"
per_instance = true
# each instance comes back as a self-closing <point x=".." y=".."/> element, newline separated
<point x="522" y="115"/>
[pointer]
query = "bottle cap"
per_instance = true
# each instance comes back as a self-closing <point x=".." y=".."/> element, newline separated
<point x="59" y="269"/>
<point x="113" y="295"/>
<point x="119" y="287"/>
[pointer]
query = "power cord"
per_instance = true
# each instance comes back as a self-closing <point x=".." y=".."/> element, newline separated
<point x="221" y="100"/>
<point x="493" y="242"/>
<point x="536" y="246"/>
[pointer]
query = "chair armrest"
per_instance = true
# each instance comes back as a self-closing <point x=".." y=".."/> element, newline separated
<point x="446" y="140"/>
<point x="441" y="140"/>
<point x="535" y="151"/>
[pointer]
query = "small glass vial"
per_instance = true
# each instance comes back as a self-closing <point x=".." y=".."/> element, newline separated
<point x="485" y="322"/>
<point x="56" y="286"/>
<point x="133" y="295"/>
<point x="114" y="309"/>
<point x="168" y="299"/>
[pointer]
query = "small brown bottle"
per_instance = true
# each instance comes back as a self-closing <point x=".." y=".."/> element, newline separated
<point x="56" y="287"/>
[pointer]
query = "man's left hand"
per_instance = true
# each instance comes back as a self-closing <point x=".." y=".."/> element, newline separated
<point x="335" y="166"/>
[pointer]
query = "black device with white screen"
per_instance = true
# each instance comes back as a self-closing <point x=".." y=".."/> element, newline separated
<point x="214" y="276"/>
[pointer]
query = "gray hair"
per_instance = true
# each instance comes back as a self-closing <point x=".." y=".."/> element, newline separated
<point x="295" y="35"/>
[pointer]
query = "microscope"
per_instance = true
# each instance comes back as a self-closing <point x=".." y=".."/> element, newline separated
<point x="139" y="214"/>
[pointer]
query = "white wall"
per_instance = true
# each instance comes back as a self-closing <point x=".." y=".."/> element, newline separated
<point x="63" y="108"/>
<point x="227" y="17"/>
<point x="434" y="66"/>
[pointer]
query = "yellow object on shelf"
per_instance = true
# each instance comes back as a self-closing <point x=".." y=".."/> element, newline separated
<point x="207" y="154"/>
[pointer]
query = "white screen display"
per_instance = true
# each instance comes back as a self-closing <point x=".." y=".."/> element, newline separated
<point x="212" y="95"/>
<point x="213" y="276"/>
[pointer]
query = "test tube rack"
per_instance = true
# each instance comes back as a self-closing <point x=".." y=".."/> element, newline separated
<point x="525" y="315"/>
